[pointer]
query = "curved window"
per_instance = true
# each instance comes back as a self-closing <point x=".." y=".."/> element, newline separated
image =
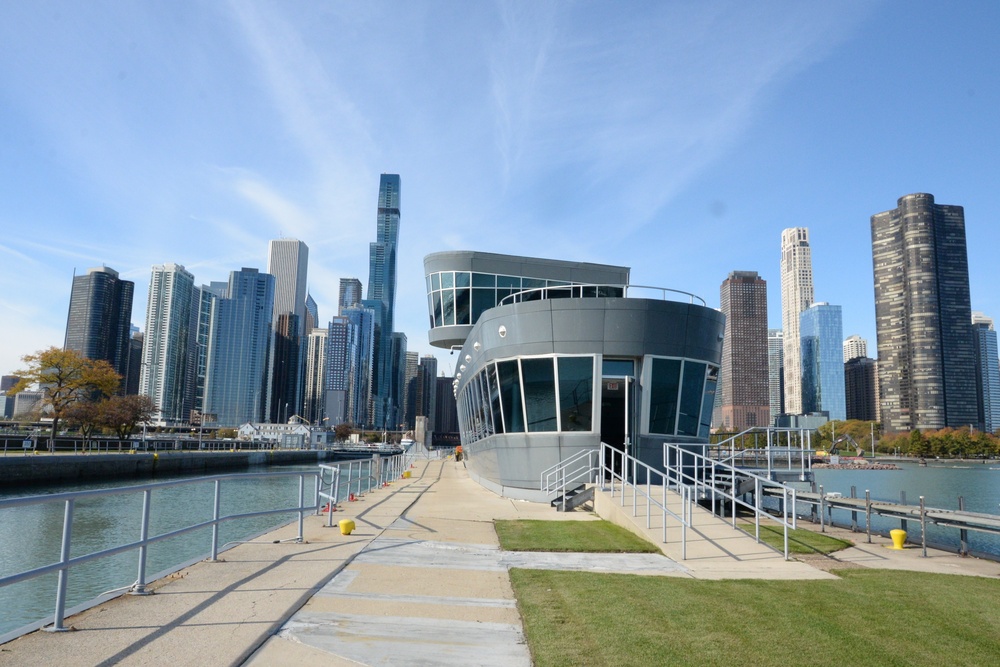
<point x="663" y="389"/>
<point x="510" y="396"/>
<point x="539" y="393"/>
<point x="692" y="382"/>
<point x="576" y="393"/>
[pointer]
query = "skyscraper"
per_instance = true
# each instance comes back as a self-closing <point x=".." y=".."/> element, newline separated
<point x="742" y="399"/>
<point x="776" y="372"/>
<point x="855" y="346"/>
<point x="861" y="388"/>
<point x="923" y="316"/>
<point x="987" y="372"/>
<point x="99" y="325"/>
<point x="315" y="384"/>
<point x="165" y="350"/>
<point x="382" y="292"/>
<point x="796" y="296"/>
<point x="359" y="364"/>
<point x="288" y="261"/>
<point x="236" y="380"/>
<point x="821" y="334"/>
<point x="350" y="293"/>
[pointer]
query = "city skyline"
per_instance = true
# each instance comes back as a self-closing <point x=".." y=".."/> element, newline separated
<point x="143" y="141"/>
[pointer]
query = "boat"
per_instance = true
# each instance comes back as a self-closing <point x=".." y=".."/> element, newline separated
<point x="556" y="357"/>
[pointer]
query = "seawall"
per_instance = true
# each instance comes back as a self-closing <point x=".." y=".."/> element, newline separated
<point x="61" y="469"/>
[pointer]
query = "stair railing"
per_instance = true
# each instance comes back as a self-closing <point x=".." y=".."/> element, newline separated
<point x="710" y="479"/>
<point x="577" y="469"/>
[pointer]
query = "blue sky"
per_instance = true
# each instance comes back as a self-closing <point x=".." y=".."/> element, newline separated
<point x="677" y="138"/>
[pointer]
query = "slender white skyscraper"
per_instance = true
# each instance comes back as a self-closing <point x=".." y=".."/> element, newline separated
<point x="796" y="296"/>
<point x="855" y="346"/>
<point x="287" y="261"/>
<point x="163" y="375"/>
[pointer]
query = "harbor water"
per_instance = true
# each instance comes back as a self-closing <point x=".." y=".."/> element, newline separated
<point x="941" y="483"/>
<point x="31" y="536"/>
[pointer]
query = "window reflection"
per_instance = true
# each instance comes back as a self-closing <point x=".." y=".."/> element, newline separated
<point x="576" y="393"/>
<point x="664" y="383"/>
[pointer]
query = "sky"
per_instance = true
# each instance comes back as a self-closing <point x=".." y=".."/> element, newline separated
<point x="676" y="138"/>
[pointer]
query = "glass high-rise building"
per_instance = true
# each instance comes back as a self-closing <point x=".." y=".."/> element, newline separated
<point x="796" y="296"/>
<point x="99" y="325"/>
<point x="861" y="388"/>
<point x="359" y="365"/>
<point x="821" y="333"/>
<point x="350" y="293"/>
<point x="987" y="372"/>
<point x="776" y="372"/>
<point x="923" y="316"/>
<point x="382" y="289"/>
<point x="165" y="350"/>
<point x="238" y="363"/>
<point x="742" y="399"/>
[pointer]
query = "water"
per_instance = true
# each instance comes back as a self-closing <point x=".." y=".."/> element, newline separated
<point x="31" y="536"/>
<point x="941" y="483"/>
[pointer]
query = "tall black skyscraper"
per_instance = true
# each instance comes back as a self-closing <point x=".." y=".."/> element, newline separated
<point x="926" y="356"/>
<point x="99" y="325"/>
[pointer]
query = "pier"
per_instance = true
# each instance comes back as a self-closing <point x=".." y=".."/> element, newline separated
<point x="421" y="580"/>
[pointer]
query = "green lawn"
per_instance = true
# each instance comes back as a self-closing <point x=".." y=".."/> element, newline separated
<point x="800" y="541"/>
<point x="868" y="617"/>
<point x="572" y="536"/>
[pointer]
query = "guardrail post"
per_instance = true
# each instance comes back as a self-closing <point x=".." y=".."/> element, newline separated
<point x="923" y="527"/>
<point x="215" y="521"/>
<point x="868" y="514"/>
<point x="902" y="501"/>
<point x="854" y="513"/>
<point x="139" y="588"/>
<point x="302" y="502"/>
<point x="57" y="621"/>
<point x="784" y="517"/>
<point x="963" y="534"/>
<point x="822" y="510"/>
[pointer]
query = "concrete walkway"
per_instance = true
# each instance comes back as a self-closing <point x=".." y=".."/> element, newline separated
<point x="420" y="581"/>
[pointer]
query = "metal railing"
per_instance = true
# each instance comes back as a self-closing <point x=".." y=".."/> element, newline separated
<point x="361" y="477"/>
<point x="710" y="479"/>
<point x="620" y="468"/>
<point x="578" y="469"/>
<point x="760" y="447"/>
<point x="588" y="291"/>
<point x="332" y="482"/>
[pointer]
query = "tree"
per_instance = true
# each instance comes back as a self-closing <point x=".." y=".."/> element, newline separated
<point x="122" y="413"/>
<point x="343" y="431"/>
<point x="85" y="415"/>
<point x="65" y="377"/>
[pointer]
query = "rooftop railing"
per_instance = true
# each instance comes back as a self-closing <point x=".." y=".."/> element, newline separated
<point x="585" y="291"/>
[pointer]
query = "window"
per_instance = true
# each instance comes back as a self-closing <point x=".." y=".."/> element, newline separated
<point x="663" y="390"/>
<point x="576" y="393"/>
<point x="510" y="396"/>
<point x="539" y="394"/>
<point x="691" y="398"/>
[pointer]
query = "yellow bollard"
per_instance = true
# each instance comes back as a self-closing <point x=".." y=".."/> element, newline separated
<point x="406" y="474"/>
<point x="346" y="526"/>
<point x="898" y="538"/>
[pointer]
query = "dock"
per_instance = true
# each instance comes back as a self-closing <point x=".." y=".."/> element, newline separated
<point x="421" y="580"/>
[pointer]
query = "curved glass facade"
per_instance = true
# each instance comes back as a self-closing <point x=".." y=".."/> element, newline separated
<point x="559" y="394"/>
<point x="457" y="298"/>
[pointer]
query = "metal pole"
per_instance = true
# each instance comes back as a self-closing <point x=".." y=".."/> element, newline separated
<point x="822" y="519"/>
<point x="923" y="527"/>
<point x="963" y="534"/>
<point x="57" y="621"/>
<point x="854" y="513"/>
<point x="868" y="514"/>
<point x="140" y="583"/>
<point x="302" y="501"/>
<point x="215" y="520"/>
